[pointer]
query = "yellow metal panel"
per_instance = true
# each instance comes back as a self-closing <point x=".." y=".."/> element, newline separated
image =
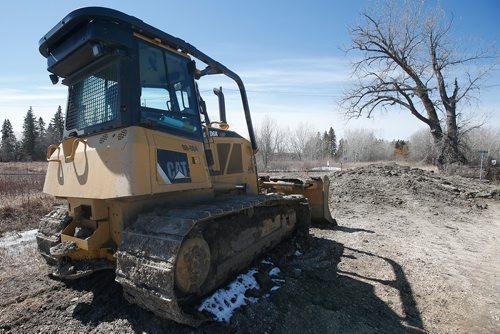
<point x="95" y="241"/>
<point x="101" y="253"/>
<point x="224" y="182"/>
<point x="110" y="165"/>
<point x="195" y="158"/>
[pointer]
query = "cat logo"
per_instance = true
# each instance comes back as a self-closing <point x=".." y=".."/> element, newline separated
<point x="172" y="167"/>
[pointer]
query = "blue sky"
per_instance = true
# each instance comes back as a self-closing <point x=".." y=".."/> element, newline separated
<point x="288" y="53"/>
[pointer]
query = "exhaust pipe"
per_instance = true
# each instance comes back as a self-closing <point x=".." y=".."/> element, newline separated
<point x="222" y="104"/>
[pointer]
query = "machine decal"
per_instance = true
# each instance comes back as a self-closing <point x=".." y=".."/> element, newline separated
<point x="189" y="148"/>
<point x="173" y="167"/>
<point x="212" y="132"/>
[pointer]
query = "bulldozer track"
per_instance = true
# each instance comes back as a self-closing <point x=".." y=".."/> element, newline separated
<point x="49" y="231"/>
<point x="147" y="256"/>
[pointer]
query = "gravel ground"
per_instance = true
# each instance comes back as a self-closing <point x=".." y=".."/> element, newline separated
<point x="414" y="252"/>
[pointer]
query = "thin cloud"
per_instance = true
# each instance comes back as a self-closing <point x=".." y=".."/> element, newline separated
<point x="14" y="103"/>
<point x="7" y="96"/>
<point x="299" y="74"/>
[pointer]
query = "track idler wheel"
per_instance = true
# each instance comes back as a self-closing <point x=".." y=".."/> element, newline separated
<point x="193" y="265"/>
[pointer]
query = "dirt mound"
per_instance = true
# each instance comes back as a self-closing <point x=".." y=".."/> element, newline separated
<point x="395" y="185"/>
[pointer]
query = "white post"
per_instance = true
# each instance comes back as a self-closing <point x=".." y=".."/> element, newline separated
<point x="481" y="168"/>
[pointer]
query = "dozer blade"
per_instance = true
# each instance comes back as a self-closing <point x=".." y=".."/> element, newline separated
<point x="315" y="189"/>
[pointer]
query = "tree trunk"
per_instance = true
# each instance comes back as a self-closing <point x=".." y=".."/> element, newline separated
<point x="450" y="151"/>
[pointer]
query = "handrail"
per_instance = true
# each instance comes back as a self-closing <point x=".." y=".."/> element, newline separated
<point x="50" y="150"/>
<point x="74" y="146"/>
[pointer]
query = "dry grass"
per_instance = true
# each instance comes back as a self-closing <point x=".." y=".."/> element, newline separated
<point x="22" y="202"/>
<point x="23" y="167"/>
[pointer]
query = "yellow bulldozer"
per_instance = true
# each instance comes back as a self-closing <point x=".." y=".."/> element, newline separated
<point x="156" y="190"/>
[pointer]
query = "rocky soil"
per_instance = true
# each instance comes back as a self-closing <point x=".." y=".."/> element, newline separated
<point x="414" y="252"/>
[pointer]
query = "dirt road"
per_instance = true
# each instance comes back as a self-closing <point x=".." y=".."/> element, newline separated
<point x="414" y="253"/>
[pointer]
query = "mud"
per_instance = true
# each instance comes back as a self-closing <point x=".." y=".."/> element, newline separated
<point x="414" y="252"/>
<point x="63" y="248"/>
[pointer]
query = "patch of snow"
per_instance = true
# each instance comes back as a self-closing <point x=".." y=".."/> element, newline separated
<point x="223" y="302"/>
<point x="297" y="253"/>
<point x="325" y="168"/>
<point x="275" y="271"/>
<point x="13" y="239"/>
<point x="266" y="262"/>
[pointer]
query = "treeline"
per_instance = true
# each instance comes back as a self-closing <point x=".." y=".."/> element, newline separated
<point x="280" y="147"/>
<point x="303" y="147"/>
<point x="35" y="139"/>
<point x="277" y="144"/>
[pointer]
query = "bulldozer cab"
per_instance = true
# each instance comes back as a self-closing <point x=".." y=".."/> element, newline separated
<point x="125" y="80"/>
<point x="123" y="72"/>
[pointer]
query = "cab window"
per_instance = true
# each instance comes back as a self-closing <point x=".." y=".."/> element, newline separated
<point x="167" y="92"/>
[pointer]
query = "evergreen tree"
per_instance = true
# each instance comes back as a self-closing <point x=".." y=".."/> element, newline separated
<point x="41" y="128"/>
<point x="55" y="129"/>
<point x="42" y="140"/>
<point x="30" y="135"/>
<point x="318" y="146"/>
<point x="9" y="143"/>
<point x="324" y="145"/>
<point x="332" y="143"/>
<point x="52" y="134"/>
<point x="329" y="144"/>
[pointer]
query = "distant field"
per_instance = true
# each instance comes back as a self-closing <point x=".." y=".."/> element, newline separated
<point x="22" y="202"/>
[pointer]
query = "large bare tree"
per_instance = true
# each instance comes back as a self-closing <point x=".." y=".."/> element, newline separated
<point x="409" y="61"/>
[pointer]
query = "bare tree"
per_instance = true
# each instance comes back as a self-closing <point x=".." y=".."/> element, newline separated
<point x="280" y="140"/>
<point x="313" y="149"/>
<point x="422" y="148"/>
<point x="362" y="145"/>
<point x="409" y="61"/>
<point x="486" y="138"/>
<point x="266" y="139"/>
<point x="300" y="138"/>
